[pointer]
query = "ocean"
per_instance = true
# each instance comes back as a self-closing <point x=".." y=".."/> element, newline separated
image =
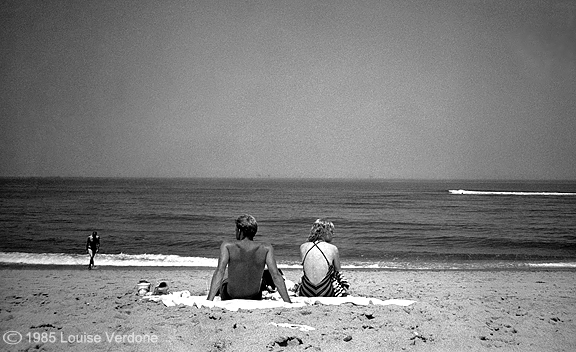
<point x="379" y="224"/>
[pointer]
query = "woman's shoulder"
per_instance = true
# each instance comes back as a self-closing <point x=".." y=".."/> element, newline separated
<point x="306" y="245"/>
<point x="329" y="247"/>
<point x="321" y="245"/>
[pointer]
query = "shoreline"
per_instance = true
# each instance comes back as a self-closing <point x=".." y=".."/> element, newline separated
<point x="525" y="268"/>
<point x="528" y="310"/>
<point x="350" y="263"/>
<point x="25" y="266"/>
<point x="14" y="266"/>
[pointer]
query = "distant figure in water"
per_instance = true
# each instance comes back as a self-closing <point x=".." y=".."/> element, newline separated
<point x="321" y="264"/>
<point x="92" y="247"/>
<point x="245" y="260"/>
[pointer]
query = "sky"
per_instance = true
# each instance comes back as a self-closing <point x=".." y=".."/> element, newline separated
<point x="447" y="89"/>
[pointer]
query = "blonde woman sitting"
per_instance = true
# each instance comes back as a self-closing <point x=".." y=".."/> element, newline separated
<point x="321" y="264"/>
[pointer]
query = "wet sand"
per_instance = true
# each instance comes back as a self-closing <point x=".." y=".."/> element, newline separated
<point x="72" y="309"/>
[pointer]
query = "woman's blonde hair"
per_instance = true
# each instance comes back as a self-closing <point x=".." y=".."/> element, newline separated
<point x="320" y="230"/>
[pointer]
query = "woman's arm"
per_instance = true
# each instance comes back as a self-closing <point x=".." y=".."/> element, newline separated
<point x="337" y="259"/>
<point x="303" y="248"/>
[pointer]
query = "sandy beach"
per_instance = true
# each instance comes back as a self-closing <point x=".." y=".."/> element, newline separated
<point x="61" y="309"/>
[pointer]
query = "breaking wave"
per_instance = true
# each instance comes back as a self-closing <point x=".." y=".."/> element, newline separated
<point x="161" y="260"/>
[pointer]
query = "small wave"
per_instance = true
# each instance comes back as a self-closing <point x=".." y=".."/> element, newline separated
<point x="161" y="260"/>
<point x="463" y="265"/>
<point x="506" y="193"/>
<point x="121" y="259"/>
<point x="153" y="260"/>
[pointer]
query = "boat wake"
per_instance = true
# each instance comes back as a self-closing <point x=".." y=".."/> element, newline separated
<point x="505" y="193"/>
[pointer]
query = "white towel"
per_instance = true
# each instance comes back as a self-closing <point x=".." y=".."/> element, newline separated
<point x="183" y="297"/>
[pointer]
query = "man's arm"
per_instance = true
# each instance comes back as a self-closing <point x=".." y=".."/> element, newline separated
<point x="219" y="272"/>
<point x="97" y="244"/>
<point x="278" y="279"/>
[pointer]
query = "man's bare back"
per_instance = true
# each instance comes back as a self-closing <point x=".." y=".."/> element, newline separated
<point x="245" y="267"/>
<point x="245" y="261"/>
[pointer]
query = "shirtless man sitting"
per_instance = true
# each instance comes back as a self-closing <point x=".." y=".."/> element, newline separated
<point x="245" y="260"/>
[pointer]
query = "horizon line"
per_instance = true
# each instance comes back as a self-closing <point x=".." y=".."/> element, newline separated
<point x="392" y="179"/>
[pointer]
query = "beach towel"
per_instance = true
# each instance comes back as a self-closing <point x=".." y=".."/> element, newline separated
<point x="184" y="298"/>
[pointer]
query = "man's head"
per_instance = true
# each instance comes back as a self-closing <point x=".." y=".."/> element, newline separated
<point x="94" y="234"/>
<point x="246" y="226"/>
<point x="322" y="230"/>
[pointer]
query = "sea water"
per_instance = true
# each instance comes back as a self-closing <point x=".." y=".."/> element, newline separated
<point x="378" y="223"/>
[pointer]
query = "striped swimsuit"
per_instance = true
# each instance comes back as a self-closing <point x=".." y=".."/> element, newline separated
<point x="324" y="287"/>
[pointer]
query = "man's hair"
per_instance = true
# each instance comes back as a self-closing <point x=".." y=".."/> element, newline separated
<point x="247" y="225"/>
<point x="320" y="229"/>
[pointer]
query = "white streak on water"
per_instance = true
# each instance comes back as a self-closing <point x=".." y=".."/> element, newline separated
<point x="506" y="193"/>
<point x="161" y="260"/>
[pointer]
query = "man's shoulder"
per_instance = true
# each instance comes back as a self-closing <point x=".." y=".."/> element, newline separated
<point x="262" y="244"/>
<point x="227" y="243"/>
<point x="267" y="246"/>
<point x="255" y="245"/>
<point x="234" y="243"/>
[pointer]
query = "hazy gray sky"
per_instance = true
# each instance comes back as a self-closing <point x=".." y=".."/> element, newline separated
<point x="351" y="88"/>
